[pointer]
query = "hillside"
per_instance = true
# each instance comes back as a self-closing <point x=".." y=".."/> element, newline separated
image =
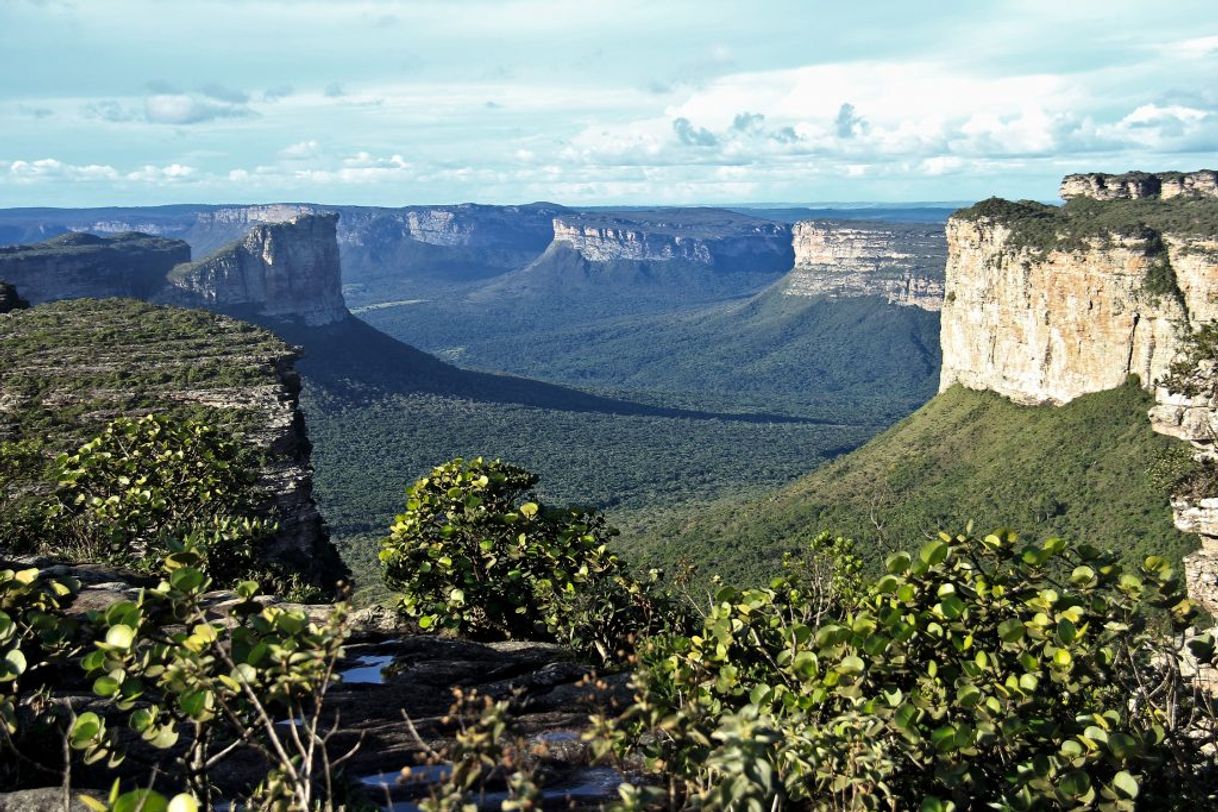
<point x="1078" y="470"/>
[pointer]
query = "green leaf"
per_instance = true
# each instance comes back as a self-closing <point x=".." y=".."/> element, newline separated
<point x="933" y="553"/>
<point x="1126" y="784"/>
<point x="1011" y="631"/>
<point x="120" y="636"/>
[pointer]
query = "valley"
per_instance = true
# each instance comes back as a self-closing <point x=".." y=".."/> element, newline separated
<point x="638" y="360"/>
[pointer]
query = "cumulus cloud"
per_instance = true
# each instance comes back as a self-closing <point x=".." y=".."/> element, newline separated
<point x="35" y="112"/>
<point x="182" y="108"/>
<point x="334" y="91"/>
<point x="300" y="151"/>
<point x="51" y="169"/>
<point x="693" y="136"/>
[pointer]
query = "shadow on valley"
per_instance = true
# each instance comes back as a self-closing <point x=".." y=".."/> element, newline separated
<point x="355" y="361"/>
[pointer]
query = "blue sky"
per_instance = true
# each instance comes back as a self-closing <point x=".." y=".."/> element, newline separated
<point x="664" y="101"/>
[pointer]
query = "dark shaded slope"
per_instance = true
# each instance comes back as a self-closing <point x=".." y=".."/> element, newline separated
<point x="354" y="360"/>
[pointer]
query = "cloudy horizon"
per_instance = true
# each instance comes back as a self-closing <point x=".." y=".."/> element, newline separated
<point x="383" y="102"/>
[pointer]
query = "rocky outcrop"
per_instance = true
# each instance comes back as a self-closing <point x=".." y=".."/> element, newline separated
<point x="902" y="264"/>
<point x="725" y="242"/>
<point x="1045" y="325"/>
<point x="73" y="266"/>
<point x="1140" y="185"/>
<point x="1045" y="305"/>
<point x="287" y="270"/>
<point x="9" y="300"/>
<point x="122" y="357"/>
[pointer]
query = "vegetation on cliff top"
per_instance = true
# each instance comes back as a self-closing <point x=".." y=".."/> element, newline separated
<point x="1078" y="221"/>
<point x="67" y="368"/>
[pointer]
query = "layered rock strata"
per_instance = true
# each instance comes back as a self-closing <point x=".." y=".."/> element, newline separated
<point x="729" y="242"/>
<point x="1043" y="308"/>
<point x="122" y="357"/>
<point x="73" y="266"/>
<point x="1140" y="185"/>
<point x="902" y="264"/>
<point x="287" y="270"/>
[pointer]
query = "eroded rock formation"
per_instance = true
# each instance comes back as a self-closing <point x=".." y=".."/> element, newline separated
<point x="1043" y="306"/>
<point x="902" y="264"/>
<point x="122" y="357"/>
<point x="73" y="266"/>
<point x="287" y="270"/>
<point x="1140" y="185"/>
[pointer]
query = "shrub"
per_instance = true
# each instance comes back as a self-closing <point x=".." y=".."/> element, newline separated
<point x="976" y="672"/>
<point x="34" y="639"/>
<point x="475" y="554"/>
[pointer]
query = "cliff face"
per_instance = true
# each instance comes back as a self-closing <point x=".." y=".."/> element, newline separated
<point x="128" y="357"/>
<point x="1047" y="324"/>
<point x="286" y="270"/>
<point x="902" y="264"/>
<point x="1044" y="305"/>
<point x="73" y="266"/>
<point x="732" y="244"/>
<point x="1140" y="185"/>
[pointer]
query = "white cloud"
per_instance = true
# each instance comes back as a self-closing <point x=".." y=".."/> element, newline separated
<point x="181" y="108"/>
<point x="301" y="150"/>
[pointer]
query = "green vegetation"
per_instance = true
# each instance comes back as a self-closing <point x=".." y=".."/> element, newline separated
<point x="1080" y="220"/>
<point x="772" y="353"/>
<point x="474" y="554"/>
<point x="71" y="366"/>
<point x="1078" y="470"/>
<point x="136" y="492"/>
<point x="976" y="673"/>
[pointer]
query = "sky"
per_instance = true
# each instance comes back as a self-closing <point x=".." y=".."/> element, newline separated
<point x="395" y="102"/>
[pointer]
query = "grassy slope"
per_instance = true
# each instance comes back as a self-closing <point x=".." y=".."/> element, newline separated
<point x="1077" y="470"/>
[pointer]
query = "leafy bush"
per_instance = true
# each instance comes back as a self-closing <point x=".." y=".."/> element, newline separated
<point x="208" y="689"/>
<point x="978" y="671"/>
<point x="34" y="638"/>
<point x="473" y="553"/>
<point x="140" y="490"/>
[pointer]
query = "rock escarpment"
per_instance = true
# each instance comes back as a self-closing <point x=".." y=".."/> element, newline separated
<point x="701" y="237"/>
<point x="901" y="264"/>
<point x="1042" y="310"/>
<point x="287" y="270"/>
<point x="68" y="367"/>
<point x="1043" y="305"/>
<point x="73" y="266"/>
<point x="1140" y="185"/>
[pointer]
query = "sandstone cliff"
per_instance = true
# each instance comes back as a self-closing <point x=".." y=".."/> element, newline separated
<point x="1046" y="304"/>
<point x="1140" y="185"/>
<point x="700" y="237"/>
<point x="68" y="367"/>
<point x="902" y="264"/>
<point x="287" y="270"/>
<point x="73" y="266"/>
<point x="1042" y="309"/>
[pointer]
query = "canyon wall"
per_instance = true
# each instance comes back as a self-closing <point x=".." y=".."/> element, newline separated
<point x="1045" y="304"/>
<point x="1140" y="185"/>
<point x="1047" y="324"/>
<point x="714" y="239"/>
<point x="902" y="264"/>
<point x="73" y="266"/>
<point x="282" y="270"/>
